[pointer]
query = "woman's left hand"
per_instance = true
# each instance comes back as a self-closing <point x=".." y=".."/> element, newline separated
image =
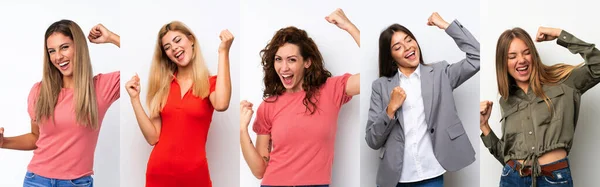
<point x="226" y="40"/>
<point x="436" y="20"/>
<point x="99" y="34"/>
<point x="339" y="19"/>
<point x="547" y="34"/>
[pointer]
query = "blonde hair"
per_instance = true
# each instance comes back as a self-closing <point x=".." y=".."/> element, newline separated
<point x="162" y="70"/>
<point x="540" y="74"/>
<point x="85" y="105"/>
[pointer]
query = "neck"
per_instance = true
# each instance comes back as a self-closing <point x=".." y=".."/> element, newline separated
<point x="298" y="88"/>
<point x="407" y="70"/>
<point x="68" y="82"/>
<point x="184" y="72"/>
<point x="524" y="86"/>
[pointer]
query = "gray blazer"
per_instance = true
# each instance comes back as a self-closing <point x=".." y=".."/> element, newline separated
<point x="451" y="145"/>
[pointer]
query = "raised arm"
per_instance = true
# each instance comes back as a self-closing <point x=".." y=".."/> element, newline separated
<point x="489" y="138"/>
<point x="23" y="142"/>
<point x="464" y="69"/>
<point x="586" y="76"/>
<point x="222" y="95"/>
<point x="339" y="19"/>
<point x="257" y="157"/>
<point x="150" y="127"/>
<point x="99" y="34"/>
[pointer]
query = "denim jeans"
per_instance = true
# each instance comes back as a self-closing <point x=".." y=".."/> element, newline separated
<point x="433" y="182"/>
<point x="560" y="178"/>
<point x="34" y="180"/>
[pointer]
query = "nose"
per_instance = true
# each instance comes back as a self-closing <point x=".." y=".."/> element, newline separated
<point x="58" y="57"/>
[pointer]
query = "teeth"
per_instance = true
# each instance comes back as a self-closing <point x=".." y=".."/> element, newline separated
<point x="64" y="63"/>
<point x="411" y="53"/>
<point x="522" y="68"/>
<point x="286" y="76"/>
<point x="178" y="54"/>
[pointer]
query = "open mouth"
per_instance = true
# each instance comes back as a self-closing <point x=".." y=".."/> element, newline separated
<point x="64" y="65"/>
<point x="410" y="55"/>
<point x="179" y="55"/>
<point x="523" y="70"/>
<point x="287" y="79"/>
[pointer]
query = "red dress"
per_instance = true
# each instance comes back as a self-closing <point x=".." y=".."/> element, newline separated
<point x="179" y="157"/>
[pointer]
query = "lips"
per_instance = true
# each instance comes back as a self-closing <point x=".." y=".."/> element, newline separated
<point x="179" y="55"/>
<point x="287" y="79"/>
<point x="523" y="70"/>
<point x="410" y="55"/>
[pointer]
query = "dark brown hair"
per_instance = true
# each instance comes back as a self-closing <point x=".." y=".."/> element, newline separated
<point x="314" y="76"/>
<point x="387" y="65"/>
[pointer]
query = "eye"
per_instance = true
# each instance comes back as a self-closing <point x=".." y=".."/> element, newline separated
<point x="167" y="47"/>
<point x="293" y="60"/>
<point x="50" y="51"/>
<point x="409" y="40"/>
<point x="527" y="52"/>
<point x="64" y="47"/>
<point x="397" y="48"/>
<point x="277" y="59"/>
<point x="177" y="40"/>
<point x="512" y="56"/>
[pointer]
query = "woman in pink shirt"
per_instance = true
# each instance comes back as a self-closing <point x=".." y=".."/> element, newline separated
<point x="66" y="108"/>
<point x="300" y="96"/>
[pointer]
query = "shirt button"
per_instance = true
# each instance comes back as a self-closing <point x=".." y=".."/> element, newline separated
<point x="527" y="117"/>
<point x="431" y="130"/>
<point x="532" y="148"/>
<point x="565" y="37"/>
<point x="530" y="132"/>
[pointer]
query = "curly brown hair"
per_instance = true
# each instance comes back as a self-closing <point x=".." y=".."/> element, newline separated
<point x="314" y="76"/>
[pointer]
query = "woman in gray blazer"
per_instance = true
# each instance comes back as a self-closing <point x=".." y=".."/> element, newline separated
<point x="412" y="117"/>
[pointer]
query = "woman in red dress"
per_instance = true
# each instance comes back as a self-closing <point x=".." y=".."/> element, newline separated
<point x="182" y="96"/>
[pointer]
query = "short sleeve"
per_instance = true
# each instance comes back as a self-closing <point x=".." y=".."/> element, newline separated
<point x="336" y="86"/>
<point x="32" y="100"/>
<point x="212" y="80"/>
<point x="108" y="86"/>
<point x="262" y="122"/>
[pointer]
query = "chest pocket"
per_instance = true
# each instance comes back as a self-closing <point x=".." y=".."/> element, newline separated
<point x="541" y="114"/>
<point x="506" y="113"/>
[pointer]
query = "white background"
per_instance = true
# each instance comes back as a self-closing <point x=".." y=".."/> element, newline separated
<point x="436" y="45"/>
<point x="141" y="25"/>
<point x="22" y="56"/>
<point x="529" y="15"/>
<point x="260" y="20"/>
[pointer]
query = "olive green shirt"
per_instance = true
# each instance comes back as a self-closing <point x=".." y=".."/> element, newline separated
<point x="529" y="128"/>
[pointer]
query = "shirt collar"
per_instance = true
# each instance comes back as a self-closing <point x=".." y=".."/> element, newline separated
<point x="417" y="72"/>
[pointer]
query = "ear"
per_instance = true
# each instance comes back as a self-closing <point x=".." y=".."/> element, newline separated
<point x="307" y="63"/>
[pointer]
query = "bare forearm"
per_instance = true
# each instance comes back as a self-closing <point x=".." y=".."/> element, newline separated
<point x="223" y="85"/>
<point x="255" y="162"/>
<point x="485" y="129"/>
<point x="23" y="142"/>
<point x="115" y="39"/>
<point x="148" y="129"/>
<point x="355" y="33"/>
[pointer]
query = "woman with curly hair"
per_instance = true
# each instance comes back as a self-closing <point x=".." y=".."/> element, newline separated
<point x="300" y="95"/>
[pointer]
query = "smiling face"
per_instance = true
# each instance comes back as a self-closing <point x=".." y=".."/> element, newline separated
<point x="405" y="50"/>
<point x="178" y="47"/>
<point x="290" y="67"/>
<point x="61" y="50"/>
<point x="519" y="61"/>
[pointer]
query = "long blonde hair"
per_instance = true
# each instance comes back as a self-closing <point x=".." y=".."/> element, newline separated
<point x="540" y="74"/>
<point x="162" y="70"/>
<point x="85" y="105"/>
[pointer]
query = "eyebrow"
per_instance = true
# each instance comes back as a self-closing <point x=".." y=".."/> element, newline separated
<point x="288" y="56"/>
<point x="514" y="53"/>
<point x="59" y="45"/>
<point x="399" y="41"/>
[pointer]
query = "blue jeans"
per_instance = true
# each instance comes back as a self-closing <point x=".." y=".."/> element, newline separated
<point x="34" y="180"/>
<point x="327" y="185"/>
<point x="433" y="182"/>
<point x="560" y="178"/>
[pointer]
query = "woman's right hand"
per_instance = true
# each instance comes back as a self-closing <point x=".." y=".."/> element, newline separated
<point x="485" y="110"/>
<point x="245" y="114"/>
<point x="397" y="97"/>
<point x="133" y="86"/>
<point x="547" y="34"/>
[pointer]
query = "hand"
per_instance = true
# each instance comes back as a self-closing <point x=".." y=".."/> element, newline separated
<point x="245" y="114"/>
<point x="397" y="98"/>
<point x="1" y="136"/>
<point x="226" y="40"/>
<point x="436" y="20"/>
<point x="99" y="34"/>
<point x="133" y="86"/>
<point x="339" y="19"/>
<point x="547" y="34"/>
<point x="485" y="109"/>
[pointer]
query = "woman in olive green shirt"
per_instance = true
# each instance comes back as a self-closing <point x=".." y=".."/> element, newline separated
<point x="540" y="106"/>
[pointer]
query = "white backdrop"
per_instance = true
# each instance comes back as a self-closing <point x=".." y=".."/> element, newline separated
<point x="206" y="20"/>
<point x="22" y="55"/>
<point x="260" y="20"/>
<point x="436" y="45"/>
<point x="572" y="17"/>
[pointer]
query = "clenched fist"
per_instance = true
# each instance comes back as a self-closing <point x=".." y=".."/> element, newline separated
<point x="397" y="97"/>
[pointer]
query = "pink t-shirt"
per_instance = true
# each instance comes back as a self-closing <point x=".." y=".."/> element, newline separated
<point x="303" y="144"/>
<point x="65" y="149"/>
